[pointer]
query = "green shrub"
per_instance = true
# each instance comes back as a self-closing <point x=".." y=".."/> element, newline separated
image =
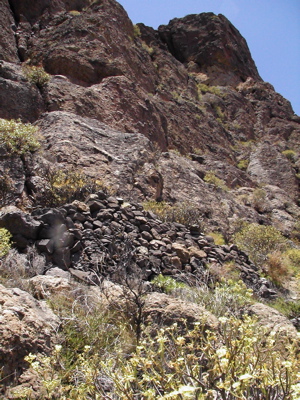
<point x="290" y="155"/>
<point x="5" y="241"/>
<point x="149" y="49"/>
<point x="68" y="184"/>
<point x="167" y="284"/>
<point x="293" y="256"/>
<point x="38" y="75"/>
<point x="259" y="196"/>
<point x="185" y="213"/>
<point x="74" y="13"/>
<point x="227" y="298"/>
<point x="136" y="31"/>
<point x="18" y="138"/>
<point x="243" y="164"/>
<point x="211" y="178"/>
<point x="277" y="268"/>
<point x="259" y="240"/>
<point x="289" y="308"/>
<point x="218" y="238"/>
<point x="202" y="88"/>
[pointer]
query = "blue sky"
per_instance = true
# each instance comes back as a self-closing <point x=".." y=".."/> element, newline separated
<point x="270" y="27"/>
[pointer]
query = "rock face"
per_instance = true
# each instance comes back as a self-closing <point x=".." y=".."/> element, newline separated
<point x="179" y="114"/>
<point x="26" y="326"/>
<point x="273" y="320"/>
<point x="189" y="39"/>
<point x="176" y="88"/>
<point x="8" y="45"/>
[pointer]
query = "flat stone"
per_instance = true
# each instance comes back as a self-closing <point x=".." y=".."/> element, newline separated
<point x="182" y="252"/>
<point x="194" y="252"/>
<point x="45" y="246"/>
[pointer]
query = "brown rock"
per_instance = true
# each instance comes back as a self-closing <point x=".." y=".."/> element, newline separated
<point x="26" y="326"/>
<point x="273" y="319"/>
<point x="18" y="97"/>
<point x="194" y="252"/>
<point x="176" y="262"/>
<point x="163" y="310"/>
<point x="43" y="286"/>
<point x="182" y="252"/>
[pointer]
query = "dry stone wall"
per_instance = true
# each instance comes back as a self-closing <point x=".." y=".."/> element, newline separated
<point x="107" y="237"/>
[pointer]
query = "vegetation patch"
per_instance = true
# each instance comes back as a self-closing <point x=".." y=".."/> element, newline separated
<point x="185" y="213"/>
<point x="243" y="360"/>
<point x="69" y="184"/>
<point x="18" y="138"/>
<point x="211" y="178"/>
<point x="290" y="155"/>
<point x="5" y="241"/>
<point x="38" y="75"/>
<point x="260" y="240"/>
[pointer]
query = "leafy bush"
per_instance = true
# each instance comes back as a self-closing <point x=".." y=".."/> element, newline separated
<point x="227" y="298"/>
<point x="259" y="196"/>
<point x="68" y="184"/>
<point x="242" y="361"/>
<point x="243" y="164"/>
<point x="18" y="138"/>
<point x="184" y="213"/>
<point x="211" y="178"/>
<point x="277" y="268"/>
<point x="167" y="284"/>
<point x="202" y="88"/>
<point x="290" y="155"/>
<point x="289" y="308"/>
<point x="5" y="241"/>
<point x="37" y="75"/>
<point x="259" y="240"/>
<point x="218" y="238"/>
<point x="136" y="31"/>
<point x="293" y="256"/>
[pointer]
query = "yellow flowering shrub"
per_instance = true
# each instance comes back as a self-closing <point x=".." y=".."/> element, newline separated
<point x="18" y="138"/>
<point x="241" y="361"/>
<point x="5" y="244"/>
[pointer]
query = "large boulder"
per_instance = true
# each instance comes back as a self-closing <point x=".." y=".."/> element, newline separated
<point x="163" y="310"/>
<point x="26" y="326"/>
<point x="272" y="319"/>
<point x="18" y="97"/>
<point x="19" y="223"/>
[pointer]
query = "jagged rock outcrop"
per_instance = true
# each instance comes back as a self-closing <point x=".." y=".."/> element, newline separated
<point x="224" y="55"/>
<point x="273" y="320"/>
<point x="179" y="114"/>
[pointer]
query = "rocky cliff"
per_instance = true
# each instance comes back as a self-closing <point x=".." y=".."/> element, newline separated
<point x="186" y="99"/>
